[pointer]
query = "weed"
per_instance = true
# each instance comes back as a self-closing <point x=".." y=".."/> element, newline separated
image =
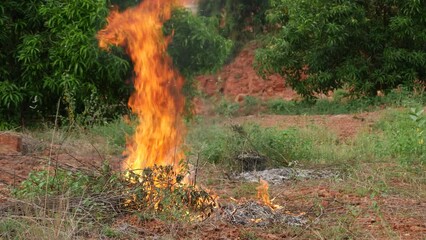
<point x="110" y="232"/>
<point x="226" y="108"/>
<point x="250" y="105"/>
<point x="342" y="104"/>
<point x="223" y="145"/>
<point x="248" y="235"/>
<point x="60" y="182"/>
<point x="114" y="133"/>
<point x="10" y="227"/>
<point x="35" y="222"/>
<point x="402" y="137"/>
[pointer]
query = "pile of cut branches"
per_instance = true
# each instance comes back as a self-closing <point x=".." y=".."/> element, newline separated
<point x="100" y="197"/>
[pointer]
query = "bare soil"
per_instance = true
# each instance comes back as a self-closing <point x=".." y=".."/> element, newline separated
<point x="239" y="79"/>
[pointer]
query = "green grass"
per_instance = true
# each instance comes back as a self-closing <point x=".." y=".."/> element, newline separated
<point x="342" y="104"/>
<point x="222" y="145"/>
<point x="395" y="137"/>
<point x="114" y="134"/>
<point x="393" y="151"/>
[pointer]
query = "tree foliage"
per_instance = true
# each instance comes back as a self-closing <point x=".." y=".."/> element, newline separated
<point x="196" y="46"/>
<point x="365" y="46"/>
<point x="50" y="53"/>
<point x="239" y="20"/>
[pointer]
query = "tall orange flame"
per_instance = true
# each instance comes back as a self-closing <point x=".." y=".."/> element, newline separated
<point x="157" y="101"/>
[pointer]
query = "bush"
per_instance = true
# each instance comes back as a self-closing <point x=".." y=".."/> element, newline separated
<point x="50" y="55"/>
<point x="196" y="45"/>
<point x="115" y="133"/>
<point x="157" y="191"/>
<point x="364" y="46"/>
<point x="62" y="182"/>
<point x="227" y="108"/>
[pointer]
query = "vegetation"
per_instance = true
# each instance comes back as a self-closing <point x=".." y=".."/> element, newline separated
<point x="342" y="103"/>
<point x="51" y="69"/>
<point x="77" y="199"/>
<point x="51" y="57"/>
<point x="50" y="60"/>
<point x="224" y="146"/>
<point x="69" y="203"/>
<point x="363" y="46"/>
<point x="196" y="47"/>
<point x="398" y="136"/>
<point x="238" y="20"/>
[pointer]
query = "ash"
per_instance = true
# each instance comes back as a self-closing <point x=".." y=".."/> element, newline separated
<point x="279" y="175"/>
<point x="255" y="214"/>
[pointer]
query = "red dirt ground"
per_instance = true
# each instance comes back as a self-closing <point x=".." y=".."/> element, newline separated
<point x="239" y="79"/>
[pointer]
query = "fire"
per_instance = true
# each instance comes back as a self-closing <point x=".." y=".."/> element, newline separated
<point x="158" y="100"/>
<point x="263" y="194"/>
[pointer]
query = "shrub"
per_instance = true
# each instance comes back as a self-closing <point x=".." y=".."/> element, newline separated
<point x="227" y="108"/>
<point x="196" y="45"/>
<point x="157" y="191"/>
<point x="49" y="54"/>
<point x="363" y="46"/>
<point x="114" y="133"/>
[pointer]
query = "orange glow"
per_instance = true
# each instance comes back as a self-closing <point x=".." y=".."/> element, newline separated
<point x="158" y="100"/>
<point x="263" y="194"/>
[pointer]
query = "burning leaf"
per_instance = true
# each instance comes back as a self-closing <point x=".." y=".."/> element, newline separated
<point x="160" y="188"/>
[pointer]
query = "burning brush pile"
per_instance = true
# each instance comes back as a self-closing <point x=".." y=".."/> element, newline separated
<point x="153" y="180"/>
<point x="154" y="152"/>
<point x="259" y="213"/>
<point x="161" y="189"/>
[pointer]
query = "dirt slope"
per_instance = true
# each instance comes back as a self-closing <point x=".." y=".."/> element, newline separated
<point x="239" y="78"/>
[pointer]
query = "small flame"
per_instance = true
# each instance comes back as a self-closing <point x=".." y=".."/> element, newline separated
<point x="263" y="194"/>
<point x="158" y="100"/>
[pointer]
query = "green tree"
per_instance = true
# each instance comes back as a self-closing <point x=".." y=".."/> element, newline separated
<point x="365" y="46"/>
<point x="239" y="20"/>
<point x="51" y="53"/>
<point x="196" y="46"/>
